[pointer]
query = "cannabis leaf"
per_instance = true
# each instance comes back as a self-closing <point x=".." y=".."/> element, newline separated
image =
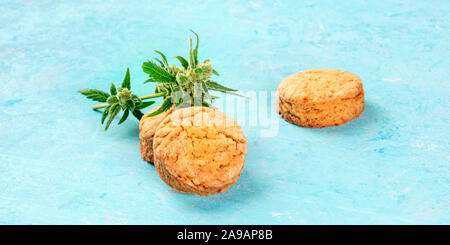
<point x="114" y="109"/>
<point x="94" y="94"/>
<point x="157" y="73"/>
<point x="195" y="51"/>
<point x="144" y="105"/>
<point x="126" y="80"/>
<point x="124" y="117"/>
<point x="164" y="59"/>
<point x="217" y="87"/>
<point x="167" y="103"/>
<point x="113" y="89"/>
<point x="183" y="61"/>
<point x="119" y="98"/>
<point x="137" y="114"/>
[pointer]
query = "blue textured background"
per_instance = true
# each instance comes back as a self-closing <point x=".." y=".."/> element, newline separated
<point x="391" y="166"/>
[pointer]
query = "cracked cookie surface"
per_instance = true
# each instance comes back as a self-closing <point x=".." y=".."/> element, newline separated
<point x="199" y="150"/>
<point x="320" y="98"/>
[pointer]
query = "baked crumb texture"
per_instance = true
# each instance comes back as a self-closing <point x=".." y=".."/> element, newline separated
<point x="147" y="129"/>
<point x="199" y="150"/>
<point x="320" y="98"/>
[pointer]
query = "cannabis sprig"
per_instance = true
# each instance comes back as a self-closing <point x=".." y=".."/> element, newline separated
<point x="118" y="98"/>
<point x="188" y="85"/>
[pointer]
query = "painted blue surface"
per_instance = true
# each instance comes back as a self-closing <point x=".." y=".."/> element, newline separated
<point x="391" y="166"/>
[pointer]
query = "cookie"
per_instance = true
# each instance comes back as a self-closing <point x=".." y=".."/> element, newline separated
<point x="320" y="98"/>
<point x="147" y="129"/>
<point x="199" y="150"/>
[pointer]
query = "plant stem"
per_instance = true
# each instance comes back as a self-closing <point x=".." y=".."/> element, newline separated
<point x="142" y="98"/>
<point x="152" y="96"/>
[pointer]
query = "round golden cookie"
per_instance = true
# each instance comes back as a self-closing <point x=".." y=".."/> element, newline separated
<point x="320" y="98"/>
<point x="199" y="150"/>
<point x="147" y="129"/>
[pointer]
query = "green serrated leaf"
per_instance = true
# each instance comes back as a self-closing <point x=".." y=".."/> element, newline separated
<point x="124" y="117"/>
<point x="164" y="59"/>
<point x="207" y="95"/>
<point x="217" y="87"/>
<point x="191" y="55"/>
<point x="94" y="94"/>
<point x="167" y="103"/>
<point x="157" y="73"/>
<point x="126" y="80"/>
<point x="105" y="114"/>
<point x="138" y="114"/>
<point x="180" y="101"/>
<point x="236" y="94"/>
<point x="113" y="111"/>
<point x="113" y="89"/>
<point x="150" y="80"/>
<point x="160" y="62"/>
<point x="215" y="72"/>
<point x="205" y="88"/>
<point x="112" y="99"/>
<point x="183" y="61"/>
<point x="136" y="99"/>
<point x="130" y="105"/>
<point x="144" y="104"/>
<point x="195" y="51"/>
